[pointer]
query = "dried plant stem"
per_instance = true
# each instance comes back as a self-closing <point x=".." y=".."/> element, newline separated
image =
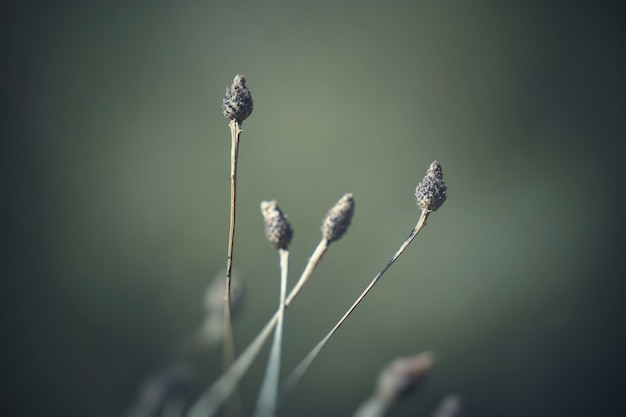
<point x="234" y="408"/>
<point x="299" y="371"/>
<point x="209" y="403"/>
<point x="314" y="260"/>
<point x="229" y="345"/>
<point x="266" y="406"/>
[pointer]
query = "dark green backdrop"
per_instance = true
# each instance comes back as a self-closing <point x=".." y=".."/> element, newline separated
<point x="115" y="161"/>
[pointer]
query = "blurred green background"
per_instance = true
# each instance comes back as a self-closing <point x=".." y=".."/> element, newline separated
<point x="115" y="162"/>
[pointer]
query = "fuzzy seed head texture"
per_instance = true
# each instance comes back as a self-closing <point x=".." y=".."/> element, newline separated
<point x="277" y="227"/>
<point x="338" y="218"/>
<point x="237" y="102"/>
<point x="431" y="192"/>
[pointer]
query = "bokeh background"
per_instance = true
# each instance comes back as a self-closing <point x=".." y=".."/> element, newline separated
<point x="115" y="161"/>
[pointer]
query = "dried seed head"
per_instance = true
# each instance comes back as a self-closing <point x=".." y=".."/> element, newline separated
<point x="237" y="102"/>
<point x="338" y="218"/>
<point x="277" y="227"/>
<point x="431" y="192"/>
<point x="402" y="376"/>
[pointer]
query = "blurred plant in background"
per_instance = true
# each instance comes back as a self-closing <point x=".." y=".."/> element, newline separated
<point x="116" y="200"/>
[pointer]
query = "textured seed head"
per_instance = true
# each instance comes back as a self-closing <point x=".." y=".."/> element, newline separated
<point x="338" y="218"/>
<point x="402" y="376"/>
<point x="432" y="191"/>
<point x="277" y="227"/>
<point x="237" y="102"/>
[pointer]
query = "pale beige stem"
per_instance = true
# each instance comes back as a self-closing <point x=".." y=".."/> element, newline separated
<point x="234" y="408"/>
<point x="209" y="403"/>
<point x="268" y="394"/>
<point x="299" y="371"/>
<point x="229" y="346"/>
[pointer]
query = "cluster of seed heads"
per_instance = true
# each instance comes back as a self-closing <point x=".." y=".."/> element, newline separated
<point x="237" y="102"/>
<point x="277" y="227"/>
<point x="430" y="193"/>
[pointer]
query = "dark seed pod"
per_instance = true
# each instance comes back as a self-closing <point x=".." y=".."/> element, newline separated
<point x="237" y="102"/>
<point x="277" y="227"/>
<point x="431" y="193"/>
<point x="338" y="219"/>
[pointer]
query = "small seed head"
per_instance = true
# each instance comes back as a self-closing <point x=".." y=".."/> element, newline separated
<point x="432" y="191"/>
<point x="277" y="227"/>
<point x="338" y="218"/>
<point x="402" y="376"/>
<point x="237" y="102"/>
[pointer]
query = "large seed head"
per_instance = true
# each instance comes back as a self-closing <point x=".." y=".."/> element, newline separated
<point x="277" y="227"/>
<point x="237" y="102"/>
<point x="431" y="193"/>
<point x="338" y="218"/>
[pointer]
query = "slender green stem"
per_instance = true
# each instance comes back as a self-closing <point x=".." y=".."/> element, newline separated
<point x="209" y="403"/>
<point x="266" y="406"/>
<point x="299" y="371"/>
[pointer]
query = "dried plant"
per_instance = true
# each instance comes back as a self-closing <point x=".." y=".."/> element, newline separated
<point x="396" y="381"/>
<point x="237" y="107"/>
<point x="430" y="195"/>
<point x="279" y="233"/>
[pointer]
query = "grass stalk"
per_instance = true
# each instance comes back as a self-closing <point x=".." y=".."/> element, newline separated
<point x="229" y="343"/>
<point x="266" y="406"/>
<point x="299" y="371"/>
<point x="237" y="106"/>
<point x="211" y="400"/>
<point x="234" y="407"/>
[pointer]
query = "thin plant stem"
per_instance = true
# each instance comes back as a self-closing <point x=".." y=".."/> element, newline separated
<point x="299" y="371"/>
<point x="314" y="260"/>
<point x="229" y="345"/>
<point x="234" y="408"/>
<point x="209" y="403"/>
<point x="266" y="406"/>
